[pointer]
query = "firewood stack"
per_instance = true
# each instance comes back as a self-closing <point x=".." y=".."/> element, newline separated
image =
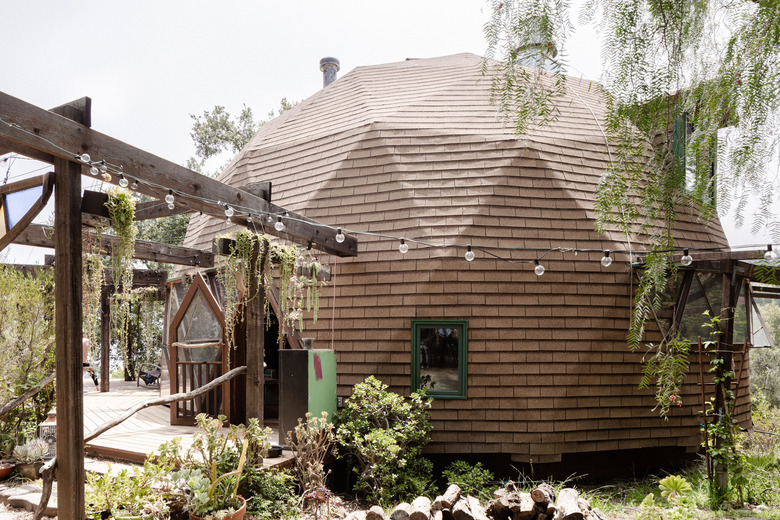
<point x="510" y="504"/>
<point x="541" y="504"/>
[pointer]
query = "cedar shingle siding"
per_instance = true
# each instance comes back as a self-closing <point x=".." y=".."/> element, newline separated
<point x="416" y="149"/>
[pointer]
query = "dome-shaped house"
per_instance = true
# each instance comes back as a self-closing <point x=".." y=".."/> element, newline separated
<point x="522" y="366"/>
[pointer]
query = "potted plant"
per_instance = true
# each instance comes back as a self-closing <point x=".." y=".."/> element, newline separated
<point x="127" y="495"/>
<point x="207" y="484"/>
<point x="210" y="496"/>
<point x="29" y="458"/>
<point x="6" y="450"/>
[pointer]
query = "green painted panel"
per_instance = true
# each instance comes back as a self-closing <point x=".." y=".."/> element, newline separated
<point x="322" y="383"/>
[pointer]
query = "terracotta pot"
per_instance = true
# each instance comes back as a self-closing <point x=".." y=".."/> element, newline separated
<point x="6" y="468"/>
<point x="238" y="515"/>
<point x="30" y="470"/>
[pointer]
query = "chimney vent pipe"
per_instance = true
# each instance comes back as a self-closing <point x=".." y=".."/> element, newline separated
<point x="329" y="67"/>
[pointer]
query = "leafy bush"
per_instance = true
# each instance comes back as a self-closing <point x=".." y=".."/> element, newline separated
<point x="311" y="442"/>
<point x="385" y="434"/>
<point x="472" y="480"/>
<point x="273" y="494"/>
<point x="26" y="346"/>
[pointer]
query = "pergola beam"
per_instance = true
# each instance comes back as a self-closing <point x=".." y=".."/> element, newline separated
<point x="38" y="235"/>
<point x="27" y="126"/>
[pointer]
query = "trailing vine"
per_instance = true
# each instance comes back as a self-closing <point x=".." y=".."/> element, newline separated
<point x="298" y="282"/>
<point x="121" y="210"/>
<point x="92" y="289"/>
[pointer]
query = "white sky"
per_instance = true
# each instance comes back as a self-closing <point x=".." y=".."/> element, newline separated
<point x="147" y="64"/>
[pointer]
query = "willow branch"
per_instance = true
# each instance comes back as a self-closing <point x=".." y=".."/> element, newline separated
<point x="25" y="396"/>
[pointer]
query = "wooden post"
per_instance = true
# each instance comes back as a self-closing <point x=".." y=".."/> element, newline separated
<point x="67" y="293"/>
<point x="255" y="344"/>
<point x="105" y="340"/>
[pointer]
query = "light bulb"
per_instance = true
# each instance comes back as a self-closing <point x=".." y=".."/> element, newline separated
<point x="169" y="198"/>
<point x="469" y="256"/>
<point x="229" y="212"/>
<point x="106" y="177"/>
<point x="340" y="236"/>
<point x="770" y="256"/>
<point x="539" y="269"/>
<point x="171" y="205"/>
<point x="122" y="181"/>
<point x="606" y="261"/>
<point x="93" y="170"/>
<point x="686" y="259"/>
<point x="103" y="167"/>
<point x="134" y="186"/>
<point x="279" y="226"/>
<point x="85" y="158"/>
<point x="403" y="248"/>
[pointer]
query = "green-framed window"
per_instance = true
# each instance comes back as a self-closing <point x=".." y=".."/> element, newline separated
<point x="439" y="353"/>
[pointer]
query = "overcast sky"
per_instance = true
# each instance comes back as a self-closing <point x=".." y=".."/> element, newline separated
<point x="147" y="65"/>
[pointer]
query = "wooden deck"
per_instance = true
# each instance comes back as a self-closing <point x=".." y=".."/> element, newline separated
<point x="143" y="433"/>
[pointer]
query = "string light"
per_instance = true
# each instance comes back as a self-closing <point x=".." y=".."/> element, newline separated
<point x="279" y="226"/>
<point x="770" y="256"/>
<point x="122" y="181"/>
<point x="469" y="256"/>
<point x="403" y="248"/>
<point x="229" y="212"/>
<point x="103" y="167"/>
<point x="606" y="261"/>
<point x="106" y="177"/>
<point x="539" y="269"/>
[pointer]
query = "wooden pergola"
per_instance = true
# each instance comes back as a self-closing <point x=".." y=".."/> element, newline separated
<point x="62" y="136"/>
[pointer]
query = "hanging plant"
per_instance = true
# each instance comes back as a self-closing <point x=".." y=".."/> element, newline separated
<point x="297" y="280"/>
<point x="150" y="318"/>
<point x="121" y="210"/>
<point x="92" y="286"/>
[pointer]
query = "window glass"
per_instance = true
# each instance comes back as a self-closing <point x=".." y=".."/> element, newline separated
<point x="439" y="350"/>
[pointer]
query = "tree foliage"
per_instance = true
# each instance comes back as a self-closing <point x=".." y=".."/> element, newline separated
<point x="26" y="345"/>
<point x="678" y="75"/>
<point x="216" y="132"/>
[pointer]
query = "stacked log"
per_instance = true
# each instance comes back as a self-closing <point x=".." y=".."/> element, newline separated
<point x="510" y="504"/>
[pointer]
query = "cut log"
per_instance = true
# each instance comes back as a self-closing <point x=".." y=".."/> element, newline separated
<point x="595" y="514"/>
<point x="523" y="506"/>
<point x="499" y="509"/>
<point x="375" y="513"/>
<point x="544" y="493"/>
<point x="583" y="504"/>
<point x="450" y="497"/>
<point x="461" y="510"/>
<point x="356" y="515"/>
<point x="401" y="512"/>
<point x="567" y="505"/>
<point x="421" y="509"/>
<point x="477" y="511"/>
<point x="438" y="514"/>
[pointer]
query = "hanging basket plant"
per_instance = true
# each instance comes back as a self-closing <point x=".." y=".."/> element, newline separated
<point x="121" y="210"/>
<point x="298" y="282"/>
<point x="92" y="287"/>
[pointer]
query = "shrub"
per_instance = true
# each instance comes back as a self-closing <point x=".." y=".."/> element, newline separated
<point x="472" y="480"/>
<point x="311" y="442"/>
<point x="385" y="434"/>
<point x="26" y="347"/>
<point x="273" y="494"/>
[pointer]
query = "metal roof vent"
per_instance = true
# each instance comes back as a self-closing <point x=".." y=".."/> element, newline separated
<point x="329" y="67"/>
